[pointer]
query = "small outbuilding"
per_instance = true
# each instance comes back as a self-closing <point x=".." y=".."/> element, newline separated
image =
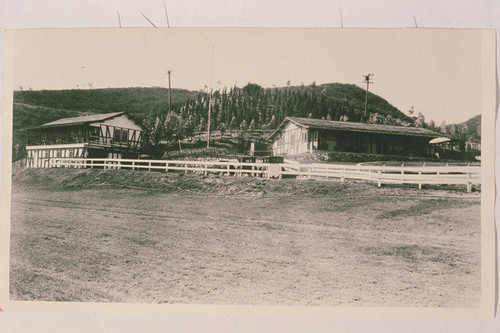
<point x="108" y="135"/>
<point x="304" y="135"/>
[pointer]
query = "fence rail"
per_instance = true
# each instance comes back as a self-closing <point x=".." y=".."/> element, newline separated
<point x="379" y="174"/>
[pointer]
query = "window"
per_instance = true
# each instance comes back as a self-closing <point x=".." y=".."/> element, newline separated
<point x="117" y="135"/>
<point x="124" y="135"/>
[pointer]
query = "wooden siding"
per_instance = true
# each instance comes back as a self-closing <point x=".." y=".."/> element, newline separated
<point x="295" y="139"/>
<point x="40" y="156"/>
<point x="292" y="140"/>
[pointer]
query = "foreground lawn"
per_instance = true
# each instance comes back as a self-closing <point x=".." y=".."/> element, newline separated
<point x="288" y="242"/>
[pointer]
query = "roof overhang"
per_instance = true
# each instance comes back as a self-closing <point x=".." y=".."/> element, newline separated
<point x="78" y="122"/>
<point x="282" y="125"/>
<point x="357" y="130"/>
<point x="440" y="140"/>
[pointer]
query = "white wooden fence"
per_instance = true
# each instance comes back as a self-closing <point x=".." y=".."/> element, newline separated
<point x="418" y="175"/>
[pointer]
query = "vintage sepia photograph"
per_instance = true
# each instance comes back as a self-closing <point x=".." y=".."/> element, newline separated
<point x="254" y="167"/>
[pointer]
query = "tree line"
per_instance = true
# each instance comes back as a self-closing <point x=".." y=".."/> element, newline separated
<point x="255" y="108"/>
<point x="248" y="108"/>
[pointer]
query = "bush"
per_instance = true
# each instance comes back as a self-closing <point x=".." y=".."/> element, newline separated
<point x="359" y="157"/>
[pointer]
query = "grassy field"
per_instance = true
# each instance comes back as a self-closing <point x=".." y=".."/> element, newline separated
<point x="77" y="236"/>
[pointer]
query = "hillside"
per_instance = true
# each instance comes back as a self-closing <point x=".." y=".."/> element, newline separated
<point x="251" y="102"/>
<point x="470" y="130"/>
<point x="27" y="115"/>
<point x="236" y="109"/>
<point x="138" y="102"/>
<point x="355" y="97"/>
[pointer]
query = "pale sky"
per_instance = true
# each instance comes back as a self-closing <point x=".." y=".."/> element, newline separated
<point x="438" y="71"/>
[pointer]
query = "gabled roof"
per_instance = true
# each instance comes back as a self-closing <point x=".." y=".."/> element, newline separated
<point x="357" y="127"/>
<point x="81" y="120"/>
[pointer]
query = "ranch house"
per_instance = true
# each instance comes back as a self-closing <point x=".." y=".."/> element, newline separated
<point x="109" y="135"/>
<point x="304" y="135"/>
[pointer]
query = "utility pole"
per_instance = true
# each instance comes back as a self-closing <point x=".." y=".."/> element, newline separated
<point x="210" y="100"/>
<point x="169" y="92"/>
<point x="367" y="78"/>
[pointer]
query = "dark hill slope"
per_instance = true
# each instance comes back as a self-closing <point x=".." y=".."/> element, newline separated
<point x="354" y="96"/>
<point x="470" y="130"/>
<point x="26" y="115"/>
<point x="138" y="102"/>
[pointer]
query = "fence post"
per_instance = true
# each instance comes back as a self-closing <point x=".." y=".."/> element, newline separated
<point x="185" y="168"/>
<point x="379" y="178"/>
<point x="469" y="183"/>
<point x="149" y="166"/>
<point x="206" y="167"/>
<point x="166" y="167"/>
<point x="342" y="177"/>
<point x="91" y="164"/>
<point x="402" y="176"/>
<point x="228" y="168"/>
<point x="420" y="180"/>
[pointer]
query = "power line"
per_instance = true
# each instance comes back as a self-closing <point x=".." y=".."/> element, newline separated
<point x="148" y="20"/>
<point x="119" y="19"/>
<point x="166" y="13"/>
<point x="341" y="19"/>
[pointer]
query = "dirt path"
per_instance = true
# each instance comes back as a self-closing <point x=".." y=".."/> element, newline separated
<point x="382" y="247"/>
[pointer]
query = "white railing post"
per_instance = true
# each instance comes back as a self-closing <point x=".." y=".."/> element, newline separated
<point x="342" y="176"/>
<point x="469" y="183"/>
<point x="420" y="180"/>
<point x="166" y="167"/>
<point x="228" y="168"/>
<point x="149" y="166"/>
<point x="185" y="168"/>
<point x="379" y="184"/>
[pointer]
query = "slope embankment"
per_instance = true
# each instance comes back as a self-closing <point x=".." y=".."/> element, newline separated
<point x="74" y="179"/>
